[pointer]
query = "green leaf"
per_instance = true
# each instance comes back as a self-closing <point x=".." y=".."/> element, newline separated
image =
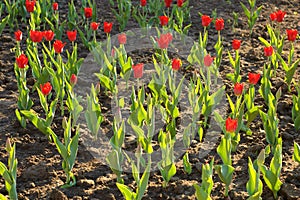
<point x="104" y="80"/>
<point x="126" y="191"/>
<point x="143" y="182"/>
<point x="186" y="164"/>
<point x="265" y="42"/>
<point x="296" y="155"/>
<point x="224" y="150"/>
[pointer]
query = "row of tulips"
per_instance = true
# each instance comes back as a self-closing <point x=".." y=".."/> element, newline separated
<point x="56" y="78"/>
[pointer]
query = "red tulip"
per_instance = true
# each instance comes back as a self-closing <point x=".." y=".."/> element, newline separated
<point x="143" y="2"/>
<point x="107" y="27"/>
<point x="22" y="61"/>
<point x="55" y="6"/>
<point x="238" y="89"/>
<point x="164" y="20"/>
<point x="268" y="51"/>
<point x="206" y="20"/>
<point x="236" y="44"/>
<point x="219" y="24"/>
<point x="231" y="125"/>
<point x="46" y="88"/>
<point x="138" y="70"/>
<point x="88" y="12"/>
<point x="273" y="16"/>
<point x="73" y="79"/>
<point x="292" y="34"/>
<point x="280" y="15"/>
<point x="179" y="3"/>
<point x="176" y="64"/>
<point x="36" y="36"/>
<point x="72" y="35"/>
<point x="29" y="5"/>
<point x="122" y="38"/>
<point x="94" y="26"/>
<point x="49" y="35"/>
<point x="58" y="46"/>
<point x="18" y="35"/>
<point x="253" y="78"/>
<point x="208" y="60"/>
<point x="164" y="40"/>
<point x="168" y="3"/>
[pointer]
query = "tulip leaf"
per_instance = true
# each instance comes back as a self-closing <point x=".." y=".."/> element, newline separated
<point x="126" y="191"/>
<point x="265" y="42"/>
<point x="296" y="155"/>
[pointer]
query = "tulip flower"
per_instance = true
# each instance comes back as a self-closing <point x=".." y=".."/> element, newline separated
<point x="29" y="5"/>
<point x="268" y="51"/>
<point x="88" y="12"/>
<point x="36" y="36"/>
<point x="176" y="64"/>
<point x="55" y="6"/>
<point x="168" y="3"/>
<point x="22" y="61"/>
<point x="179" y="3"/>
<point x="138" y="70"/>
<point x="72" y="35"/>
<point x="164" y="40"/>
<point x="206" y="20"/>
<point x="280" y="15"/>
<point x="58" y="46"/>
<point x="18" y="35"/>
<point x="273" y="16"/>
<point x="238" y="89"/>
<point x="208" y="60"/>
<point x="107" y="27"/>
<point x="122" y="38"/>
<point x="46" y="88"/>
<point x="49" y="35"/>
<point x="164" y="20"/>
<point x="94" y="26"/>
<point x="253" y="78"/>
<point x="143" y="3"/>
<point x="236" y="44"/>
<point x="231" y="125"/>
<point x="219" y="24"/>
<point x="73" y="79"/>
<point x="292" y="34"/>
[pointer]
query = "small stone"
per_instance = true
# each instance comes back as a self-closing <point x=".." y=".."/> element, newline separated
<point x="77" y="198"/>
<point x="86" y="183"/>
<point x="32" y="184"/>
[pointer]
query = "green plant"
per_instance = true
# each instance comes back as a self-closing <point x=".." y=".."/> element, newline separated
<point x="289" y="68"/>
<point x="166" y="165"/>
<point x="93" y="114"/>
<point x="142" y="183"/>
<point x="68" y="151"/>
<point x="10" y="174"/>
<point x="203" y="191"/>
<point x="254" y="185"/>
<point x="251" y="14"/>
<point x="270" y="120"/>
<point x="296" y="108"/>
<point x="296" y="155"/>
<point x="234" y="77"/>
<point x="225" y="171"/>
<point x="271" y="175"/>
<point x="116" y="157"/>
<point x="235" y="20"/>
<point x="123" y="13"/>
